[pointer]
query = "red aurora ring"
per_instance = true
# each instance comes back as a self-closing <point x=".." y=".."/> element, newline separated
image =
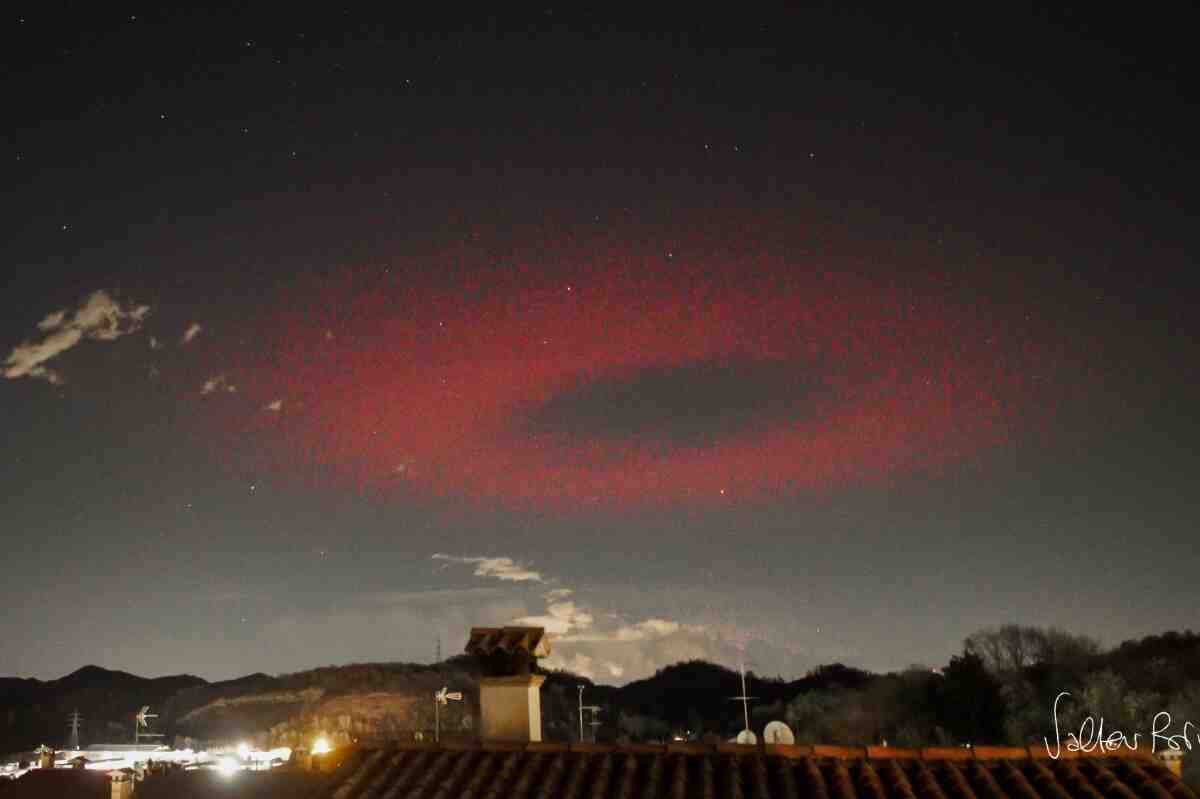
<point x="613" y="373"/>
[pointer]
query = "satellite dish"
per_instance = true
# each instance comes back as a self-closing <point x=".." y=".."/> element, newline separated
<point x="747" y="737"/>
<point x="778" y="733"/>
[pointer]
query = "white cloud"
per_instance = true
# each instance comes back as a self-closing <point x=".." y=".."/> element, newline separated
<point x="192" y="331"/>
<point x="560" y="618"/>
<point x="276" y="406"/>
<point x="99" y="318"/>
<point x="218" y="383"/>
<point x="500" y="568"/>
<point x="635" y="651"/>
<point x="638" y="631"/>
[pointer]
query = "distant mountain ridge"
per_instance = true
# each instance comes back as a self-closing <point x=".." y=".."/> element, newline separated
<point x="997" y="691"/>
<point x="357" y="700"/>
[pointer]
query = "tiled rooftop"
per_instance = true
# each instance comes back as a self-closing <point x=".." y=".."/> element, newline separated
<point x="687" y="771"/>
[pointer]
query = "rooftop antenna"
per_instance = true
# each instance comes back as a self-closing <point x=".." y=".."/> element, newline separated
<point x="439" y="649"/>
<point x="746" y="736"/>
<point x="580" y="687"/>
<point x="594" y="709"/>
<point x="73" y="720"/>
<point x="142" y="720"/>
<point x="442" y="697"/>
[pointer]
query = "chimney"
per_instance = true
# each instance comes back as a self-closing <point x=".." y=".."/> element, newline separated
<point x="122" y="784"/>
<point x="510" y="702"/>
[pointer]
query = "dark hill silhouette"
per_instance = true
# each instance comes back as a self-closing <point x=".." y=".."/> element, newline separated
<point x="33" y="712"/>
<point x="969" y="700"/>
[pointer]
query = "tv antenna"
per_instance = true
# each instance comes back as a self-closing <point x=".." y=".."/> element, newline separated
<point x="442" y="697"/>
<point x="746" y="736"/>
<point x="776" y="732"/>
<point x="142" y="719"/>
<point x="73" y="720"/>
<point x="593" y="709"/>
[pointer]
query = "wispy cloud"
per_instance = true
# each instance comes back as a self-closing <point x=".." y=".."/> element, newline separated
<point x="499" y="568"/>
<point x="637" y="631"/>
<point x="562" y="616"/>
<point x="193" y="330"/>
<point x="217" y="383"/>
<point x="98" y="318"/>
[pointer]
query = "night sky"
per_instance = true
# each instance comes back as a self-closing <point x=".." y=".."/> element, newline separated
<point x="810" y="337"/>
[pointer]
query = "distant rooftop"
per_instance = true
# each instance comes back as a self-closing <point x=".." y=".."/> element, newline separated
<point x="686" y="770"/>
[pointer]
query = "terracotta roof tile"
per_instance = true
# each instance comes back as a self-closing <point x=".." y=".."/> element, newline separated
<point x="698" y="771"/>
<point x="1000" y="752"/>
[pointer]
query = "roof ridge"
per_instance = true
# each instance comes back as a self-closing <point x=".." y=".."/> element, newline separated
<point x="790" y="751"/>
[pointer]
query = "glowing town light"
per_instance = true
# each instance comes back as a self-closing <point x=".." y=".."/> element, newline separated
<point x="321" y="746"/>
<point x="227" y="766"/>
<point x="243" y="750"/>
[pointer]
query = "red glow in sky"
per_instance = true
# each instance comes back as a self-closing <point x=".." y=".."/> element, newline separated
<point x="458" y="376"/>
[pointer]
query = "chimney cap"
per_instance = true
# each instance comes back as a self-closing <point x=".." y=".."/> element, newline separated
<point x="509" y="640"/>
